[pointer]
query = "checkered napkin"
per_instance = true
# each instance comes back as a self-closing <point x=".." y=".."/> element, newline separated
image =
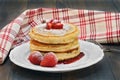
<point x="101" y="26"/>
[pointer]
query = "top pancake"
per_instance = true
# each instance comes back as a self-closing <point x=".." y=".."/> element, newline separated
<point x="48" y="37"/>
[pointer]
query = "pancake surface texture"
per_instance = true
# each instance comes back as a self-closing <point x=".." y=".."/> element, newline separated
<point x="66" y="55"/>
<point x="34" y="45"/>
<point x="54" y="36"/>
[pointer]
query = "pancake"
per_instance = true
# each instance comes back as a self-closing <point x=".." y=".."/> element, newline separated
<point x="66" y="55"/>
<point x="35" y="45"/>
<point x="67" y="35"/>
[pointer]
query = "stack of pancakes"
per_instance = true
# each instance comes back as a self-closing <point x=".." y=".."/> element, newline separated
<point x="65" y="46"/>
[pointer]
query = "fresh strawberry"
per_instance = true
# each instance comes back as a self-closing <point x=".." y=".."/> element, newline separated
<point x="57" y="26"/>
<point x="49" y="60"/>
<point x="35" y="57"/>
<point x="49" y="25"/>
<point x="54" y="24"/>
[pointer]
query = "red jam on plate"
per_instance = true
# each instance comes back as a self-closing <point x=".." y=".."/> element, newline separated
<point x="72" y="59"/>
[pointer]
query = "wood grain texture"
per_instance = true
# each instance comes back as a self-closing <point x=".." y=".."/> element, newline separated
<point x="18" y="73"/>
<point x="103" y="5"/>
<point x="41" y="3"/>
<point x="9" y="10"/>
<point x="107" y="69"/>
<point x="99" y="71"/>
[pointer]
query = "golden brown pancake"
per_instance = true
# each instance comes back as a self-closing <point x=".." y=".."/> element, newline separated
<point x="66" y="55"/>
<point x="35" y="45"/>
<point x="50" y="38"/>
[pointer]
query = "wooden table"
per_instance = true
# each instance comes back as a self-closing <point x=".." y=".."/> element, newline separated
<point x="107" y="69"/>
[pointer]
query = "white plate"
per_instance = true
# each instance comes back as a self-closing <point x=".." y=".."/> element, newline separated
<point x="93" y="54"/>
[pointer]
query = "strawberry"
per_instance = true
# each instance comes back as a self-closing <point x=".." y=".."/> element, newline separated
<point x="35" y="57"/>
<point x="49" y="25"/>
<point x="57" y="26"/>
<point x="54" y="24"/>
<point x="49" y="60"/>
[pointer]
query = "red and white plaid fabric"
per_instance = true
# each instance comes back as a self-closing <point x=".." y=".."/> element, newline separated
<point x="101" y="26"/>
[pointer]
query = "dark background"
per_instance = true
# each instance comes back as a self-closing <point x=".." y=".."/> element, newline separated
<point x="10" y="9"/>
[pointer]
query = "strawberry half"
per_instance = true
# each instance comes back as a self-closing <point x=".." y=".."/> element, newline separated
<point x="49" y="25"/>
<point x="54" y="24"/>
<point x="35" y="57"/>
<point x="57" y="26"/>
<point x="49" y="60"/>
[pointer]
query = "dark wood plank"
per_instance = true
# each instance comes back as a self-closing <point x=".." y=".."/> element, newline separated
<point x="18" y="73"/>
<point x="5" y="70"/>
<point x="103" y="5"/>
<point x="9" y="10"/>
<point x="114" y="62"/>
<point x="41" y="3"/>
<point x="99" y="71"/>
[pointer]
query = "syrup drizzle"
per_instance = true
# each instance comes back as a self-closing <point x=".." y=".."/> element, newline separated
<point x="72" y="59"/>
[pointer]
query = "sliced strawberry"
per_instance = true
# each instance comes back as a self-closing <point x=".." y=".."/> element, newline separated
<point x="54" y="24"/>
<point x="35" y="57"/>
<point x="57" y="26"/>
<point x="49" y="60"/>
<point x="49" y="25"/>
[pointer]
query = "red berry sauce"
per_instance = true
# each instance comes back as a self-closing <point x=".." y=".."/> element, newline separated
<point x="68" y="61"/>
